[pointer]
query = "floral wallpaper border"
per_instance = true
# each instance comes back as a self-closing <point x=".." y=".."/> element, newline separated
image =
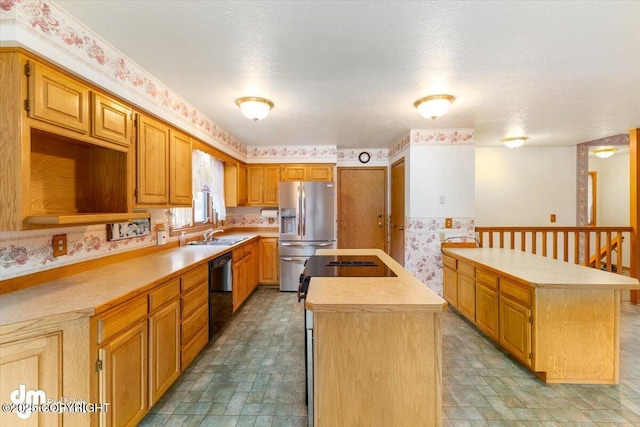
<point x="399" y="146"/>
<point x="442" y="136"/>
<point x="291" y="153"/>
<point x="47" y="21"/>
<point x="423" y="257"/>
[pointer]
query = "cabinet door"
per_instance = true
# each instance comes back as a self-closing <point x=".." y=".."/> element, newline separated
<point x="467" y="296"/>
<point x="111" y="120"/>
<point x="270" y="185"/>
<point x="294" y="173"/>
<point x="123" y="378"/>
<point x="252" y="276"/>
<point x="242" y="184"/>
<point x="487" y="310"/>
<point x="164" y="349"/>
<point x="268" y="254"/>
<point x="239" y="280"/>
<point x="153" y="162"/>
<point x="36" y="363"/>
<point x="255" y="185"/>
<point x="58" y="99"/>
<point x="320" y="173"/>
<point x="515" y="329"/>
<point x="450" y="287"/>
<point x="180" y="170"/>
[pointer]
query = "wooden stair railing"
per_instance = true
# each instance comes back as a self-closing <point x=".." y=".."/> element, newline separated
<point x="560" y="242"/>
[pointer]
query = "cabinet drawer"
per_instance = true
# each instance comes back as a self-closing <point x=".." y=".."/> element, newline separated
<point x="163" y="294"/>
<point x="120" y="318"/>
<point x="195" y="299"/>
<point x="195" y="277"/>
<point x="193" y="347"/>
<point x="487" y="278"/>
<point x="237" y="254"/>
<point x="194" y="323"/>
<point x="515" y="291"/>
<point x="248" y="249"/>
<point x="466" y="269"/>
<point x="449" y="262"/>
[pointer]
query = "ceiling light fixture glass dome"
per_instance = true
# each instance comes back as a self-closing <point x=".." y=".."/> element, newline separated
<point x="605" y="152"/>
<point x="433" y="106"/>
<point x="254" y="108"/>
<point x="514" y="142"/>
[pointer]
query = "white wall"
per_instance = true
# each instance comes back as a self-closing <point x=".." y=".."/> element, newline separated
<point x="441" y="170"/>
<point x="522" y="187"/>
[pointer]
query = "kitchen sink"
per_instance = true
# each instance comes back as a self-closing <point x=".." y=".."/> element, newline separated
<point x="219" y="242"/>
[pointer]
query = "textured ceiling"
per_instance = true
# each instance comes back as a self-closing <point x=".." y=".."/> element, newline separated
<point x="347" y="73"/>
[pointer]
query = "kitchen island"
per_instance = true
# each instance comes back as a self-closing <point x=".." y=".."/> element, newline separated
<point x="376" y="348"/>
<point x="560" y="320"/>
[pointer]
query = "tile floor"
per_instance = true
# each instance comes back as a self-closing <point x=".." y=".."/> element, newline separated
<point x="253" y="375"/>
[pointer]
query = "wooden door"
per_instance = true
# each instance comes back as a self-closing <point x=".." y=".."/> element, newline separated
<point x="153" y="162"/>
<point x="270" y="185"/>
<point x="123" y="378"/>
<point x="58" y="99"/>
<point x="450" y="288"/>
<point x="397" y="211"/>
<point x="255" y="184"/>
<point x="164" y="349"/>
<point x="362" y="208"/>
<point x="515" y="329"/>
<point x="181" y="180"/>
<point x="36" y="363"/>
<point x="111" y="120"/>
<point x="269" y="260"/>
<point x="467" y="297"/>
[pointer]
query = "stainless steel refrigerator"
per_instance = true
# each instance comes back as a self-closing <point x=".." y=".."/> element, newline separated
<point x="307" y="222"/>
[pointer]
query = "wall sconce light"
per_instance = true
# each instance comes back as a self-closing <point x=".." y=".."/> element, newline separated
<point x="605" y="153"/>
<point x="254" y="108"/>
<point x="514" y="142"/>
<point x="433" y="106"/>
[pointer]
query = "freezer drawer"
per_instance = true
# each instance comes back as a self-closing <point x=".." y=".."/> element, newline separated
<point x="291" y="267"/>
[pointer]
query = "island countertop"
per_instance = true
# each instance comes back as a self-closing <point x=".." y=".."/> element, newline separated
<point x="403" y="293"/>
<point x="542" y="272"/>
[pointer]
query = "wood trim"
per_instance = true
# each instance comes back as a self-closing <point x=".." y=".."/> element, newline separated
<point x="199" y="145"/>
<point x="634" y="205"/>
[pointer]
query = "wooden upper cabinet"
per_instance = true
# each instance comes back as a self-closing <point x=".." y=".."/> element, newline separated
<point x="235" y="184"/>
<point x="262" y="185"/>
<point x="152" y="162"/>
<point x="307" y="172"/>
<point x="57" y="99"/>
<point x="111" y="120"/>
<point x="180" y="170"/>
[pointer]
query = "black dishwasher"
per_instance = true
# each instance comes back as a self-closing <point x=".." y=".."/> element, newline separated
<point x="220" y="285"/>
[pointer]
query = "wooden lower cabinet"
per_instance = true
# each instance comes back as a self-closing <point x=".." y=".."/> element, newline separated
<point x="268" y="264"/>
<point x="239" y="278"/>
<point x="123" y="377"/>
<point x="244" y="269"/>
<point x="450" y="287"/>
<point x="164" y="349"/>
<point x="515" y="329"/>
<point x="467" y="296"/>
<point x="35" y="362"/>
<point x="487" y="307"/>
<point x="195" y="313"/>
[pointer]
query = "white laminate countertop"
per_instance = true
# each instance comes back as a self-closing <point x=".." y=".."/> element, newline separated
<point x="371" y="294"/>
<point x="542" y="272"/>
<point x="106" y="286"/>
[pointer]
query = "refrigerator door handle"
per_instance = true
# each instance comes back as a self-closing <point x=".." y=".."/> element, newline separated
<point x="304" y="212"/>
<point x="306" y="244"/>
<point x="299" y="213"/>
<point x="293" y="259"/>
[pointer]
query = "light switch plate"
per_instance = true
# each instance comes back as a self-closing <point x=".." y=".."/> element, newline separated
<point x="448" y="223"/>
<point x="59" y="242"/>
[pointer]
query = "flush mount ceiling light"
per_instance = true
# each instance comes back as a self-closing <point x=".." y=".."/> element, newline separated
<point x="514" y="142"/>
<point x="605" y="153"/>
<point x="254" y="108"/>
<point x="433" y="106"/>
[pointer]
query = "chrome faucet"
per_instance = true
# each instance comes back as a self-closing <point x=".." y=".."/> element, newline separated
<point x="208" y="235"/>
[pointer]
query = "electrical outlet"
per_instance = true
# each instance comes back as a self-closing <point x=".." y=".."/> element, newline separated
<point x="552" y="218"/>
<point x="59" y="242"/>
<point x="448" y="223"/>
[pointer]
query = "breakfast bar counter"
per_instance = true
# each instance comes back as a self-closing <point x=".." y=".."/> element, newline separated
<point x="377" y="357"/>
<point x="560" y="320"/>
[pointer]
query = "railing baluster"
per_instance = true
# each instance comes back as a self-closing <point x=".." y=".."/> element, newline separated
<point x="609" y="266"/>
<point x="555" y="245"/>
<point x="491" y="239"/>
<point x="619" y="253"/>
<point x="587" y="248"/>
<point x="565" y="244"/>
<point x="523" y="241"/>
<point x="576" y="247"/>
<point x="480" y="238"/>
<point x="501" y="240"/>
<point x="534" y="242"/>
<point x="598" y="255"/>
<point x="544" y="243"/>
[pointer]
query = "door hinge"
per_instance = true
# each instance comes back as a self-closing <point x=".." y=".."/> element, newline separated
<point x="135" y="192"/>
<point x="27" y="104"/>
<point x="530" y="319"/>
<point x="98" y="365"/>
<point x="27" y="69"/>
<point x="135" y="122"/>
<point x="531" y="356"/>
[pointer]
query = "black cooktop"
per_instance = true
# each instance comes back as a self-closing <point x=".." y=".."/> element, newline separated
<point x="346" y="266"/>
